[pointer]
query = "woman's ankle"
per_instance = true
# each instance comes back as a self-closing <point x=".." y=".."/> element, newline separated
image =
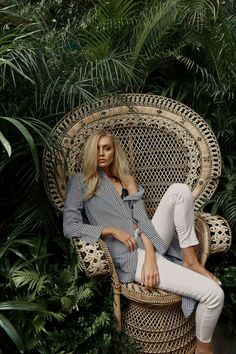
<point x="203" y="348"/>
<point x="189" y="257"/>
<point x="197" y="351"/>
<point x="190" y="263"/>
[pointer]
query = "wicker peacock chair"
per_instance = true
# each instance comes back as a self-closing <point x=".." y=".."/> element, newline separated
<point x="165" y="142"/>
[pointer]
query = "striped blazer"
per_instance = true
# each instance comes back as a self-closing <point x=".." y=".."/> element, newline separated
<point x="107" y="208"/>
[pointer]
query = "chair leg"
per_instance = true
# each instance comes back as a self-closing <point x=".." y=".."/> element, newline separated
<point x="117" y="309"/>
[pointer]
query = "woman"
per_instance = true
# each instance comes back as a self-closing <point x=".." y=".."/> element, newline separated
<point x="160" y="252"/>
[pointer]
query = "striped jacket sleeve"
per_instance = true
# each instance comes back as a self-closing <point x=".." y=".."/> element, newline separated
<point x="144" y="223"/>
<point x="73" y="225"/>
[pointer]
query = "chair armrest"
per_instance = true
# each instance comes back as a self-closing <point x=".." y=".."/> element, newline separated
<point x="96" y="260"/>
<point x="203" y="234"/>
<point x="93" y="259"/>
<point x="220" y="236"/>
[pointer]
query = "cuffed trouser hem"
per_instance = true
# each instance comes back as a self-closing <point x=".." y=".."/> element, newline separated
<point x="189" y="244"/>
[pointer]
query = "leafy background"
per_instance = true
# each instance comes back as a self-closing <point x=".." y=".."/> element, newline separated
<point x="55" y="55"/>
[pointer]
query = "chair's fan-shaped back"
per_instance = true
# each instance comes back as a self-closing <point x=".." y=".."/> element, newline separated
<point x="165" y="142"/>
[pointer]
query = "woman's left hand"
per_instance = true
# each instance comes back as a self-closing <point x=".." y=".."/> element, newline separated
<point x="150" y="274"/>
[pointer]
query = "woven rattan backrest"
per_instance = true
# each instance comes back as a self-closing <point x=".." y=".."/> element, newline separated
<point x="165" y="142"/>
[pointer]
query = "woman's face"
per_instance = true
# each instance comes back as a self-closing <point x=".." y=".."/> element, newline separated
<point x="105" y="152"/>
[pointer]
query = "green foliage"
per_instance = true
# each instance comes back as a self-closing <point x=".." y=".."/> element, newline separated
<point x="224" y="201"/>
<point x="7" y="325"/>
<point x="11" y="332"/>
<point x="91" y="335"/>
<point x="55" y="55"/>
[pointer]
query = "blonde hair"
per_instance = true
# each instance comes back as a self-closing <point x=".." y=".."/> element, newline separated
<point x="119" y="165"/>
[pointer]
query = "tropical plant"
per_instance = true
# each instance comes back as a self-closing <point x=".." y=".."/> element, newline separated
<point x="7" y="325"/>
<point x="55" y="55"/>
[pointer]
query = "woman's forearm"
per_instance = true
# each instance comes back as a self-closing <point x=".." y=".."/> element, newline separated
<point x="108" y="231"/>
<point x="149" y="248"/>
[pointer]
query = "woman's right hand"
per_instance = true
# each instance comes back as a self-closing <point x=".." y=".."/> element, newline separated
<point x="122" y="236"/>
<point x="127" y="239"/>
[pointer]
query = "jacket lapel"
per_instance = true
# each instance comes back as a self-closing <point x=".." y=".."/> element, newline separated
<point x="108" y="193"/>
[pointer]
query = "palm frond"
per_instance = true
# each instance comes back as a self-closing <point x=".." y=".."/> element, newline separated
<point x="197" y="12"/>
<point x="12" y="333"/>
<point x="5" y="144"/>
<point x="28" y="262"/>
<point x="59" y="316"/>
<point x="224" y="201"/>
<point x="108" y="24"/>
<point x="156" y="23"/>
<point x="12" y="243"/>
<point x="16" y="55"/>
<point x="20" y="305"/>
<point x="34" y="281"/>
<point x="29" y="138"/>
<point x="192" y="65"/>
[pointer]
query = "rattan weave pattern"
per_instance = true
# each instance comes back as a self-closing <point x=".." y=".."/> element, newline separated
<point x="93" y="260"/>
<point x="165" y="142"/>
<point x="136" y="292"/>
<point x="159" y="329"/>
<point x="220" y="232"/>
<point x="203" y="234"/>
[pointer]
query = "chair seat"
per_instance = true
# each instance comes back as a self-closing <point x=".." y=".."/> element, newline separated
<point x="138" y="293"/>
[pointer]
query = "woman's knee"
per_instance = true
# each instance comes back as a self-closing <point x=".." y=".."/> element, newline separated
<point x="220" y="296"/>
<point x="182" y="189"/>
<point x="216" y="297"/>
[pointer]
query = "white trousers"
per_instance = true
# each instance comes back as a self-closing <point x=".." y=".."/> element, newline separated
<point x="175" y="215"/>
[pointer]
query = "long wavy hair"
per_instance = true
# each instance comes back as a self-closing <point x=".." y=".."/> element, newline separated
<point x="119" y="166"/>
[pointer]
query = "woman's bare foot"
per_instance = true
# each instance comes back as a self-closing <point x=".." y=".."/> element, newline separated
<point x="198" y="268"/>
<point x="200" y="352"/>
<point x="203" y="348"/>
